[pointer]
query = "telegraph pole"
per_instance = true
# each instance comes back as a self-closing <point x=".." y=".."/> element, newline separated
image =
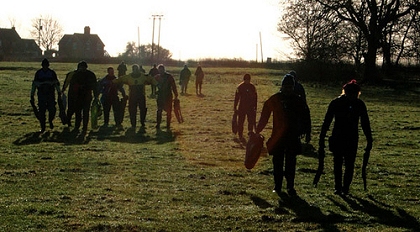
<point x="138" y="40"/>
<point x="39" y="34"/>
<point x="158" y="55"/>
<point x="262" y="58"/>
<point x="153" y="35"/>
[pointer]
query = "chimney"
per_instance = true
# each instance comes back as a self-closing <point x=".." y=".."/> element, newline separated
<point x="87" y="30"/>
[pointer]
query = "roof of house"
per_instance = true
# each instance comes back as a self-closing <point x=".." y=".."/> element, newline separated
<point x="9" y="34"/>
<point x="82" y="38"/>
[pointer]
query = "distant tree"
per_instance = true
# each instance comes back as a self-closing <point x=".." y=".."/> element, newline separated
<point x="131" y="51"/>
<point x="46" y="31"/>
<point x="144" y="53"/>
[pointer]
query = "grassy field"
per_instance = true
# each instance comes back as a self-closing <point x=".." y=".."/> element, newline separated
<point x="192" y="178"/>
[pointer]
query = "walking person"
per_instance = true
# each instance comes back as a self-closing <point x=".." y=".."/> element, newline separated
<point x="245" y="105"/>
<point x="109" y="98"/>
<point x="166" y="86"/>
<point x="153" y="72"/>
<point x="299" y="90"/>
<point x="346" y="110"/>
<point x="291" y="119"/>
<point x="199" y="76"/>
<point x="82" y="84"/>
<point x="136" y="82"/>
<point x="122" y="69"/>
<point x="46" y="83"/>
<point x="184" y="78"/>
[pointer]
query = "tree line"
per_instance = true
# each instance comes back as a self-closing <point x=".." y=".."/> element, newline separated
<point x="361" y="32"/>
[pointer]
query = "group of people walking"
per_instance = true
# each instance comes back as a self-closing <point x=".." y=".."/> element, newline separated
<point x="292" y="122"/>
<point x="291" y="114"/>
<point x="83" y="87"/>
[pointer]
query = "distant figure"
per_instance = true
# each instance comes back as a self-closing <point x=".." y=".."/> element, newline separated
<point x="245" y="104"/>
<point x="109" y="98"/>
<point x="153" y="72"/>
<point x="299" y="90"/>
<point x="184" y="78"/>
<point x="199" y="76"/>
<point x="291" y="119"/>
<point x="136" y="82"/>
<point x="46" y="82"/>
<point x="346" y="110"/>
<point x="142" y="69"/>
<point x="166" y="86"/>
<point x="122" y="69"/>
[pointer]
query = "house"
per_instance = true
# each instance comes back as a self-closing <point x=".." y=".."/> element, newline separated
<point x="81" y="46"/>
<point x="13" y="47"/>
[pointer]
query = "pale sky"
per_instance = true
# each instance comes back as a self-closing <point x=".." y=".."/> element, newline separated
<point x="190" y="29"/>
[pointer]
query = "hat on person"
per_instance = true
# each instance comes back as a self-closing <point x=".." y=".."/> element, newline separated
<point x="45" y="62"/>
<point x="82" y="64"/>
<point x="351" y="87"/>
<point x="293" y="73"/>
<point x="288" y="80"/>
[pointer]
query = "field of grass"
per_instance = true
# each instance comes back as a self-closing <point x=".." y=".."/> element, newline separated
<point x="192" y="178"/>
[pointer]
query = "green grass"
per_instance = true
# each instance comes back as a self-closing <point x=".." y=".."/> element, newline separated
<point x="193" y="178"/>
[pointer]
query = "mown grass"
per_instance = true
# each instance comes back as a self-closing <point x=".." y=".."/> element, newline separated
<point x="192" y="178"/>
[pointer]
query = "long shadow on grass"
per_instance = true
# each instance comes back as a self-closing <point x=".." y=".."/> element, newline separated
<point x="65" y="137"/>
<point x="161" y="137"/>
<point x="383" y="213"/>
<point x="305" y="212"/>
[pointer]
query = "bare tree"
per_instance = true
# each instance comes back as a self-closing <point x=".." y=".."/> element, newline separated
<point x="372" y="18"/>
<point x="313" y="31"/>
<point x="46" y="31"/>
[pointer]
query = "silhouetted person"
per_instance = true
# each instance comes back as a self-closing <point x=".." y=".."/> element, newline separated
<point x="46" y="82"/>
<point x="346" y="110"/>
<point x="122" y="69"/>
<point x="153" y="72"/>
<point x="136" y="82"/>
<point x="184" y="78"/>
<point x="245" y="105"/>
<point x="82" y="84"/>
<point x="109" y="98"/>
<point x="166" y="86"/>
<point x="199" y="76"/>
<point x="291" y="119"/>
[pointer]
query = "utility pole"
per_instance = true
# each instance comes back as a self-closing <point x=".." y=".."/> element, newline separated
<point x="39" y="34"/>
<point x="138" y="40"/>
<point x="158" y="55"/>
<point x="262" y="58"/>
<point x="153" y="35"/>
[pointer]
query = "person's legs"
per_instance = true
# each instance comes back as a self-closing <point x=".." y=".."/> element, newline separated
<point x="158" y="118"/>
<point x="338" y="172"/>
<point x="132" y="110"/>
<point x="241" y="120"/>
<point x="278" y="162"/>
<point x="143" y="110"/>
<point x="349" y="160"/>
<point x="251" y="116"/>
<point x="42" y="109"/>
<point x="106" y="104"/>
<point x="86" y="112"/>
<point x="290" y="171"/>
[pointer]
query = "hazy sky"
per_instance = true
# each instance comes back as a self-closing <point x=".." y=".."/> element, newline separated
<point x="190" y="29"/>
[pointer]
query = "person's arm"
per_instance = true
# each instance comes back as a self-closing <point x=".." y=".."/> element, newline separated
<point x="175" y="91"/>
<point x="265" y="115"/>
<point x="365" y="122"/>
<point x="326" y="125"/>
<point x="236" y="101"/>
